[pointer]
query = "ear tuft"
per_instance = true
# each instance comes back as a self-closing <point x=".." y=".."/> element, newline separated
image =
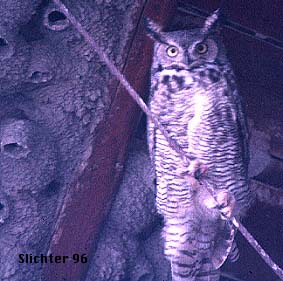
<point x="151" y="26"/>
<point x="211" y="22"/>
<point x="154" y="30"/>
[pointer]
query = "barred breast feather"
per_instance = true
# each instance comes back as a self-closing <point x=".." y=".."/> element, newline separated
<point x="205" y="122"/>
<point x="201" y="111"/>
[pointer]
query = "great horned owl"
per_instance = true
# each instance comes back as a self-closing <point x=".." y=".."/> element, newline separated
<point x="194" y="96"/>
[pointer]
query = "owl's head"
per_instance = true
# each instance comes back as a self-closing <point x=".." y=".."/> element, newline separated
<point x="187" y="48"/>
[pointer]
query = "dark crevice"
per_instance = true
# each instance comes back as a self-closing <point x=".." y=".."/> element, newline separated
<point x="56" y="16"/>
<point x="52" y="188"/>
<point x="12" y="148"/>
<point x="5" y="48"/>
<point x="3" y="42"/>
<point x="40" y="77"/>
<point x="56" y="20"/>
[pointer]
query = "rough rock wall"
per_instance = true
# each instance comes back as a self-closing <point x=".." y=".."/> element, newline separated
<point x="53" y="94"/>
<point x="130" y="247"/>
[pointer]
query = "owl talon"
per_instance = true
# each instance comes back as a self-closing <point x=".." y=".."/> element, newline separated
<point x="226" y="203"/>
<point x="190" y="178"/>
<point x="198" y="169"/>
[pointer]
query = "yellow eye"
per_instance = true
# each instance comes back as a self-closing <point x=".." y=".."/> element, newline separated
<point x="201" y="48"/>
<point x="172" y="51"/>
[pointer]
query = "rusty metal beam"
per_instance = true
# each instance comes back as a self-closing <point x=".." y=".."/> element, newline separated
<point x="89" y="197"/>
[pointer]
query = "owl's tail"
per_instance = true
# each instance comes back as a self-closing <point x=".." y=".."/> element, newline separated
<point x="189" y="251"/>
<point x="197" y="241"/>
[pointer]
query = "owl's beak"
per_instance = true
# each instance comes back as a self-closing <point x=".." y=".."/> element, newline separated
<point x="193" y="64"/>
<point x="189" y="62"/>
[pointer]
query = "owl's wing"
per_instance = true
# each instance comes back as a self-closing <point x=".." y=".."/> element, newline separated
<point x="243" y="129"/>
<point x="241" y="121"/>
